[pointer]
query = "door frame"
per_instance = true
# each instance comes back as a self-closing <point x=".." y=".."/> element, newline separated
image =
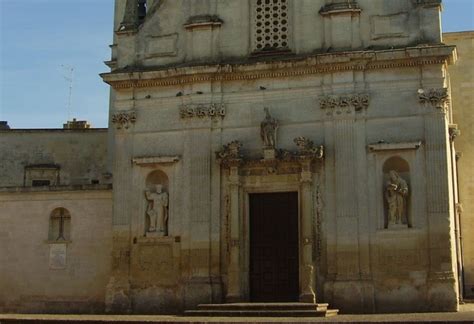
<point x="239" y="185"/>
<point x="247" y="232"/>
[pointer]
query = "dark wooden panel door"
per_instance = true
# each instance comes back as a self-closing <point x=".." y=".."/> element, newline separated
<point x="274" y="247"/>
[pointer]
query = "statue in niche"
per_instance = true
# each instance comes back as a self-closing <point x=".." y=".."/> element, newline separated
<point x="157" y="211"/>
<point x="268" y="130"/>
<point x="396" y="192"/>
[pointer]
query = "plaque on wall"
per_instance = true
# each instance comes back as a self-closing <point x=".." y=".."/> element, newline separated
<point x="57" y="256"/>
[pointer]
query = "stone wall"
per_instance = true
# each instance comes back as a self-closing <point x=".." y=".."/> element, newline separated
<point x="65" y="157"/>
<point x="462" y="81"/>
<point x="40" y="273"/>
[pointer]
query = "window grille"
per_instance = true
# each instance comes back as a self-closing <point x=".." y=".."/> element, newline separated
<point x="271" y="25"/>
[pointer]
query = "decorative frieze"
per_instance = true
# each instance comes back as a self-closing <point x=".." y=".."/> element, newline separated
<point x="344" y="104"/>
<point x="124" y="119"/>
<point x="436" y="98"/>
<point x="202" y="111"/>
<point x="309" y="65"/>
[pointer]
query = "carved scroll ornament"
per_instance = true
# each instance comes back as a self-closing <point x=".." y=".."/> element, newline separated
<point x="230" y="153"/>
<point x="123" y="119"/>
<point x="437" y="98"/>
<point x="202" y="111"/>
<point x="307" y="149"/>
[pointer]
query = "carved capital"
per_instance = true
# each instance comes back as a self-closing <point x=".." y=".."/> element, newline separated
<point x="124" y="119"/>
<point x="335" y="104"/>
<point x="454" y="132"/>
<point x="202" y="111"/>
<point x="436" y="98"/>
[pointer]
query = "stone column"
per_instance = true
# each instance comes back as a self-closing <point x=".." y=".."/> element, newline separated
<point x="234" y="285"/>
<point x="307" y="273"/>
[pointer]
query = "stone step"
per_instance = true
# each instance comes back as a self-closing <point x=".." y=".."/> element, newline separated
<point x="265" y="306"/>
<point x="263" y="310"/>
<point x="261" y="313"/>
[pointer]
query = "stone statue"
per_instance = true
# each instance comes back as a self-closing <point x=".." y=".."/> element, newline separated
<point x="157" y="211"/>
<point x="268" y="130"/>
<point x="395" y="193"/>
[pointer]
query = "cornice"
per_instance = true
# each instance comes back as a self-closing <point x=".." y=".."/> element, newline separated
<point x="315" y="64"/>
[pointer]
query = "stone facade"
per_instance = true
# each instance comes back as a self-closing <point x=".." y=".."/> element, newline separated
<point x="363" y="80"/>
<point x="346" y="103"/>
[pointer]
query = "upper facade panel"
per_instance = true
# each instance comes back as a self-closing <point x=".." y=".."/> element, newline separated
<point x="159" y="33"/>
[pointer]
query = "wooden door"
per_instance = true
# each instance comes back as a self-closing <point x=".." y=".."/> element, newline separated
<point x="274" y="262"/>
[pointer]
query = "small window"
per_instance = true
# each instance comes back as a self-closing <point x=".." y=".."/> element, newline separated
<point x="40" y="183"/>
<point x="60" y="225"/>
<point x="271" y="25"/>
<point x="38" y="175"/>
<point x="142" y="8"/>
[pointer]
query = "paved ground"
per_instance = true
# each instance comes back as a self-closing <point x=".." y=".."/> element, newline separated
<point x="466" y="315"/>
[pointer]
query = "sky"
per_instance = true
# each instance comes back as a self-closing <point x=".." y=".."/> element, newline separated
<point x="42" y="40"/>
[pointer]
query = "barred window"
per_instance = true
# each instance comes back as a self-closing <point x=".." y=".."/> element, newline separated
<point x="271" y="25"/>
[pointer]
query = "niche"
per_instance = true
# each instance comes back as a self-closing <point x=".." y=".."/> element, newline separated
<point x="59" y="225"/>
<point x="396" y="193"/>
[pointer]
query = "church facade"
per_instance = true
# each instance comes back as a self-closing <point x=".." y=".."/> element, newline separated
<point x="259" y="151"/>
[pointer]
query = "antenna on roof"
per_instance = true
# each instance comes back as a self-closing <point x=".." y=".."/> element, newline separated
<point x="69" y="77"/>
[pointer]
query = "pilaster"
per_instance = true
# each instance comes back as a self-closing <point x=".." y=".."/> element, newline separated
<point x="234" y="289"/>
<point x="442" y="286"/>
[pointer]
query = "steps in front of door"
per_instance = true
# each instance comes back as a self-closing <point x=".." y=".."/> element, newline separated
<point x="263" y="310"/>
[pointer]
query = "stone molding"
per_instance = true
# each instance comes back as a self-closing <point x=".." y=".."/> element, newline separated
<point x="149" y="160"/>
<point x="394" y="146"/>
<point x="203" y="21"/>
<point x="57" y="189"/>
<point x="427" y="3"/>
<point x="436" y="98"/>
<point x="346" y="7"/>
<point x="340" y="104"/>
<point x="309" y="65"/>
<point x="124" y="119"/>
<point x="202" y="111"/>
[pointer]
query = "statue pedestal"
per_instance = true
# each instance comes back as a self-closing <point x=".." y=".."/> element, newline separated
<point x="269" y="154"/>
<point x="154" y="234"/>
<point x="397" y="226"/>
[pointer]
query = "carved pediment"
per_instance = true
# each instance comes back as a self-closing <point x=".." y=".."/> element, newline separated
<point x="306" y="152"/>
